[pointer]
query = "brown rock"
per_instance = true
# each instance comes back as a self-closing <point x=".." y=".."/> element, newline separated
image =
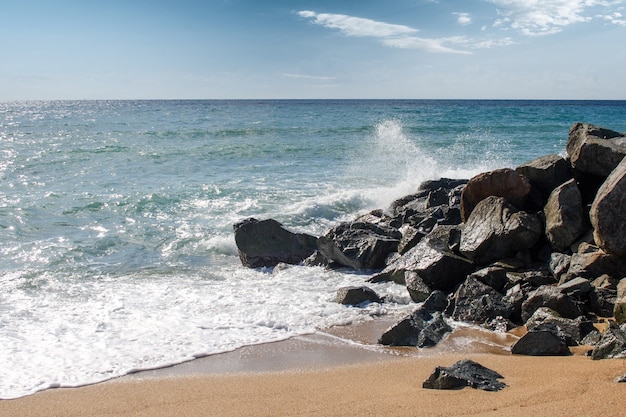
<point x="595" y="150"/>
<point x="564" y="216"/>
<point x="607" y="213"/>
<point x="505" y="182"/>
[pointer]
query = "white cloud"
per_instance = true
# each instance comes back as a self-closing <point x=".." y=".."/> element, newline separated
<point x="309" y="77"/>
<point x="543" y="17"/>
<point x="357" y="26"/>
<point x="463" y="18"/>
<point x="397" y="36"/>
<point x="615" y="18"/>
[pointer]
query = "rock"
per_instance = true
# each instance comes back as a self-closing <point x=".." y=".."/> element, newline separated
<point x="432" y="260"/>
<point x="436" y="301"/>
<point x="546" y="173"/>
<point x="540" y="343"/>
<point x="612" y="345"/>
<point x="607" y="212"/>
<point x="534" y="276"/>
<point x="421" y="329"/>
<point x="465" y="373"/>
<point x="493" y="276"/>
<point x="578" y="288"/>
<point x="552" y="297"/>
<point x="445" y="183"/>
<point x="504" y="182"/>
<point x="570" y="331"/>
<point x="418" y="290"/>
<point x="410" y="237"/>
<point x="619" y="379"/>
<point x="591" y="262"/>
<point x="595" y="150"/>
<point x="359" y="245"/>
<point x="497" y="230"/>
<point x="475" y="302"/>
<point x="619" y="310"/>
<point x="564" y="216"/>
<point x="559" y="264"/>
<point x="356" y="295"/>
<point x="316" y="259"/>
<point x="267" y="243"/>
<point x="602" y="301"/>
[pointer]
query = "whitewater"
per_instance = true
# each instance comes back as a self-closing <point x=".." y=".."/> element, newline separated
<point x="116" y="246"/>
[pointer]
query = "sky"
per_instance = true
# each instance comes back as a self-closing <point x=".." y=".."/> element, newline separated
<point x="317" y="49"/>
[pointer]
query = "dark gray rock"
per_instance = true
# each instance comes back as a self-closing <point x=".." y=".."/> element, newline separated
<point x="540" y="343"/>
<point x="436" y="301"/>
<point x="591" y="262"/>
<point x="532" y="276"/>
<point x="619" y="311"/>
<point x="607" y="212"/>
<point x="446" y="183"/>
<point x="493" y="276"/>
<point x="497" y="230"/>
<point x="415" y="285"/>
<point x="559" y="264"/>
<point x="475" y="302"/>
<point x="421" y="329"/>
<point x="571" y="331"/>
<point x="602" y="301"/>
<point x="356" y="295"/>
<point x="465" y="373"/>
<point x="564" y="216"/>
<point x="410" y="237"/>
<point x="551" y="297"/>
<point x="595" y="150"/>
<point x="612" y="344"/>
<point x="432" y="260"/>
<point x="546" y="173"/>
<point x="620" y="379"/>
<point x="267" y="243"/>
<point x="359" y="245"/>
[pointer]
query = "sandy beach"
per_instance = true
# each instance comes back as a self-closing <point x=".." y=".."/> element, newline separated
<point x="325" y="375"/>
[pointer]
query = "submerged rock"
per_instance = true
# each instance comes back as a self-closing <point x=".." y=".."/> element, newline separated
<point x="465" y="373"/>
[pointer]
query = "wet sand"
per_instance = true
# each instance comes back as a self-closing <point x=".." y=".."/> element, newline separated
<point x="325" y="374"/>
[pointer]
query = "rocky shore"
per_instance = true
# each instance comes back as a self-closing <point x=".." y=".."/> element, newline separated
<point x="541" y="246"/>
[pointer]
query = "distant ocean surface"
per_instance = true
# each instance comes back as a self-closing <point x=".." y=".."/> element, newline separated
<point x="116" y="240"/>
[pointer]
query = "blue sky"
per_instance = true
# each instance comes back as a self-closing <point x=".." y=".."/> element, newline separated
<point x="126" y="49"/>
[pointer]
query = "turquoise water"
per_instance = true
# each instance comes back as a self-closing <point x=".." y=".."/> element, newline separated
<point x="116" y="246"/>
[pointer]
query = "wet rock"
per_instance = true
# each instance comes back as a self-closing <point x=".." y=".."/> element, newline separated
<point x="564" y="216"/>
<point x="505" y="182"/>
<point x="266" y="243"/>
<point x="356" y="295"/>
<point x="540" y="343"/>
<point x="436" y="301"/>
<point x="445" y="183"/>
<point x="546" y="173"/>
<point x="595" y="150"/>
<point x="465" y="373"/>
<point x="359" y="245"/>
<point x="552" y="297"/>
<point x="497" y="230"/>
<point x="421" y="329"/>
<point x="607" y="212"/>
<point x="410" y="237"/>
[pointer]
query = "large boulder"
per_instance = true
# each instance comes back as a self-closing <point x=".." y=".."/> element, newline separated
<point x="591" y="262"/>
<point x="546" y="173"/>
<point x="572" y="331"/>
<point x="436" y="265"/>
<point x="595" y="150"/>
<point x="553" y="298"/>
<point x="266" y="243"/>
<point x="465" y="373"/>
<point x="505" y="182"/>
<point x="359" y="245"/>
<point x="564" y="216"/>
<point x="540" y="343"/>
<point x="496" y="230"/>
<point x="475" y="302"/>
<point x="421" y="328"/>
<point x="607" y="212"/>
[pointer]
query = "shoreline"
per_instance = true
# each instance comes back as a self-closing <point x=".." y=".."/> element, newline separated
<point x="339" y="371"/>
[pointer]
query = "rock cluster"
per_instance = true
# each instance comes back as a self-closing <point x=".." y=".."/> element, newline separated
<point x="541" y="245"/>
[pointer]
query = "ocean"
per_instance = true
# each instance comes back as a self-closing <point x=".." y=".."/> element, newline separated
<point x="116" y="243"/>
